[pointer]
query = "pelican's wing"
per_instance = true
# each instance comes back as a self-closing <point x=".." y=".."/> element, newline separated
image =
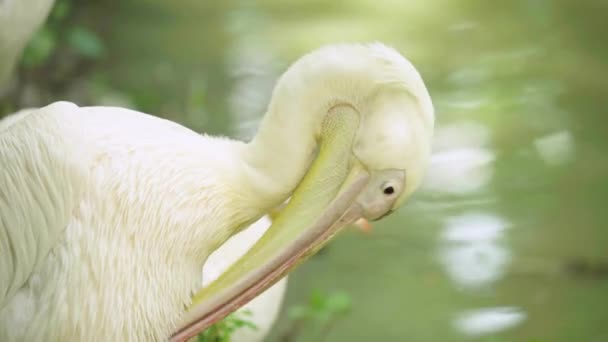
<point x="43" y="174"/>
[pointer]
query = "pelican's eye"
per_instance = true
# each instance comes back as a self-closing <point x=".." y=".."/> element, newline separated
<point x="389" y="190"/>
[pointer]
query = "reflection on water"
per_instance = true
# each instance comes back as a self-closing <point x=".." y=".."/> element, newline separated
<point x="460" y="170"/>
<point x="472" y="249"/>
<point x="555" y="148"/>
<point x="460" y="162"/>
<point x="488" y="320"/>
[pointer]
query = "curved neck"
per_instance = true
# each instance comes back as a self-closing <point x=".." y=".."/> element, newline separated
<point x="279" y="156"/>
<point x="286" y="143"/>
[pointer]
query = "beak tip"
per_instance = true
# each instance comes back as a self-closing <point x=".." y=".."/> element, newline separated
<point x="363" y="225"/>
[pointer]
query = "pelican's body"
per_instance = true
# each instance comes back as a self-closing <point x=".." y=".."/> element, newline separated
<point x="135" y="195"/>
<point x="108" y="214"/>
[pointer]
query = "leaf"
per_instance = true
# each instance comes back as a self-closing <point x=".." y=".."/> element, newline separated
<point x="339" y="303"/>
<point x="40" y="48"/>
<point x="298" y="312"/>
<point x="60" y="10"/>
<point x="323" y="317"/>
<point x="223" y="330"/>
<point x="85" y="42"/>
<point x="246" y="312"/>
<point x="318" y="301"/>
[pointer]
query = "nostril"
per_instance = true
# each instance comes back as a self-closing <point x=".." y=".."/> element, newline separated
<point x="389" y="190"/>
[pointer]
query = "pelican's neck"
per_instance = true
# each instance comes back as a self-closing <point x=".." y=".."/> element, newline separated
<point x="285" y="145"/>
<point x="279" y="155"/>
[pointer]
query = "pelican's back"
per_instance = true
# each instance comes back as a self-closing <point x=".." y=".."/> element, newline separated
<point x="43" y="175"/>
<point x="106" y="218"/>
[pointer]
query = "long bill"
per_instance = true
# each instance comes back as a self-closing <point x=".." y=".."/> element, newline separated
<point x="322" y="204"/>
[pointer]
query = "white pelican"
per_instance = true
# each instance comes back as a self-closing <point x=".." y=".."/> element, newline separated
<point x="107" y="214"/>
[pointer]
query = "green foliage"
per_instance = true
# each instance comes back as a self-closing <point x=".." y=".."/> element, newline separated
<point x="40" y="48"/>
<point x="223" y="330"/>
<point x="319" y="315"/>
<point x="60" y="32"/>
<point x="322" y="308"/>
<point x="61" y="10"/>
<point x="85" y="42"/>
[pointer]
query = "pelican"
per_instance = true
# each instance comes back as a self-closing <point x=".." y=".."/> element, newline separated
<point x="107" y="214"/>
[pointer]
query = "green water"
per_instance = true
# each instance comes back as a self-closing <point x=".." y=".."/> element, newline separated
<point x="507" y="240"/>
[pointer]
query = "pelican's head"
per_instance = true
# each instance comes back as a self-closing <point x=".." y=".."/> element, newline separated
<point x="393" y="141"/>
<point x="351" y="126"/>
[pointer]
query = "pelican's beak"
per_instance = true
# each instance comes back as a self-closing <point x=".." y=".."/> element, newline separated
<point x="322" y="204"/>
<point x="363" y="225"/>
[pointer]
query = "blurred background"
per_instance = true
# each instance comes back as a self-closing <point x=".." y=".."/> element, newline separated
<point x="508" y="238"/>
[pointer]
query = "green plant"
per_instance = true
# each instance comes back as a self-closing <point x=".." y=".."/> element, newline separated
<point x="223" y="330"/>
<point x="61" y="32"/>
<point x="319" y="315"/>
